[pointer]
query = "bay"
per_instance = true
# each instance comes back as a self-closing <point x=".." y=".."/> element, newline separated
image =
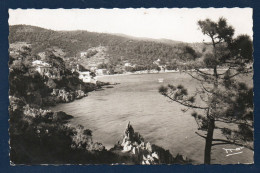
<point x="136" y="99"/>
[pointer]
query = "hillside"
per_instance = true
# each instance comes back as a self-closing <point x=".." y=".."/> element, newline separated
<point x="116" y="48"/>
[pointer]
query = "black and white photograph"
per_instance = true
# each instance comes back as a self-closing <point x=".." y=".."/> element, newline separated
<point x="134" y="86"/>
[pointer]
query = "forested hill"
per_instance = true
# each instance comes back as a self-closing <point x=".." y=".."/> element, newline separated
<point x="118" y="47"/>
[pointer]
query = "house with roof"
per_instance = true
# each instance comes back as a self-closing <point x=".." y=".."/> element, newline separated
<point x="45" y="69"/>
<point x="42" y="67"/>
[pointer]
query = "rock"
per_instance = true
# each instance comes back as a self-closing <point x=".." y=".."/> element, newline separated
<point x="79" y="94"/>
<point x="124" y="141"/>
<point x="134" y="150"/>
<point x="34" y="112"/>
<point x="127" y="147"/>
<point x="129" y="132"/>
<point x="181" y="159"/>
<point x="147" y="162"/>
<point x="142" y="145"/>
<point x="64" y="96"/>
<point x="149" y="157"/>
<point x="148" y="147"/>
<point x="155" y="155"/>
<point x="61" y="116"/>
<point x="51" y="84"/>
<point x="145" y="153"/>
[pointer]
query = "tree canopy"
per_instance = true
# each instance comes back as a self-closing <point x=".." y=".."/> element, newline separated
<point x="223" y="95"/>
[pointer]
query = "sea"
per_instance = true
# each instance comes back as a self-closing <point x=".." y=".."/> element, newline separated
<point x="135" y="99"/>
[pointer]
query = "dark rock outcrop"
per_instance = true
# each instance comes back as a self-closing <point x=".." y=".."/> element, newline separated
<point x="144" y="152"/>
<point x="46" y="115"/>
<point x="61" y="116"/>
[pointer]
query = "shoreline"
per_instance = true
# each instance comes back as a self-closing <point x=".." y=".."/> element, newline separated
<point x="160" y="72"/>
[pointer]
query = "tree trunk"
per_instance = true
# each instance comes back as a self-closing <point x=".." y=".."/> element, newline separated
<point x="209" y="138"/>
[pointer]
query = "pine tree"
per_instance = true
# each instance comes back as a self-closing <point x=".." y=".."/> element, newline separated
<point x="222" y="95"/>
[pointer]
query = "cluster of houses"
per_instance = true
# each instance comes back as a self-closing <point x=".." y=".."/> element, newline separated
<point x="45" y="69"/>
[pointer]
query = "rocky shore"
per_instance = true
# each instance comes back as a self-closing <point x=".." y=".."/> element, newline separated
<point x="63" y="96"/>
<point x="40" y="136"/>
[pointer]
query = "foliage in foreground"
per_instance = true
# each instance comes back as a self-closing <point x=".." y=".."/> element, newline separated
<point x="222" y="96"/>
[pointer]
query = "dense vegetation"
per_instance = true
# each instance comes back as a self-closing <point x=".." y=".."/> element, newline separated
<point x="142" y="52"/>
<point x="41" y="136"/>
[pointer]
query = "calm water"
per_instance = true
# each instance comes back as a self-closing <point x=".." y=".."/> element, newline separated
<point x="136" y="99"/>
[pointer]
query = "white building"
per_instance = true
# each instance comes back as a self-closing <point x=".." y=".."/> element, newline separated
<point x="42" y="67"/>
<point x="100" y="72"/>
<point x="86" y="77"/>
<point x="45" y="69"/>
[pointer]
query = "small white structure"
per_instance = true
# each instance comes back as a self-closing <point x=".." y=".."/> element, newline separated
<point x="157" y="62"/>
<point x="101" y="72"/>
<point x="82" y="54"/>
<point x="86" y="77"/>
<point x="128" y="64"/>
<point x="42" y="55"/>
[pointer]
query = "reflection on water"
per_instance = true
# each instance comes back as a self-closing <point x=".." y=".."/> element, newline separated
<point x="136" y="99"/>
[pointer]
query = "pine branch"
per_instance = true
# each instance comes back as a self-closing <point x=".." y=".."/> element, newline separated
<point x="201" y="135"/>
<point x="201" y="80"/>
<point x="208" y="74"/>
<point x="229" y="142"/>
<point x="185" y="103"/>
<point x="232" y="122"/>
<point x="206" y="89"/>
<point x="208" y="43"/>
<point x="239" y="74"/>
<point x="225" y="71"/>
<point x="221" y="143"/>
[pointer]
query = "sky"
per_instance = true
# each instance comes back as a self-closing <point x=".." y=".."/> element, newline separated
<point x="178" y="24"/>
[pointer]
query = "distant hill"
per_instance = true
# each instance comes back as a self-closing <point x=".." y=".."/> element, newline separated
<point x="119" y="48"/>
